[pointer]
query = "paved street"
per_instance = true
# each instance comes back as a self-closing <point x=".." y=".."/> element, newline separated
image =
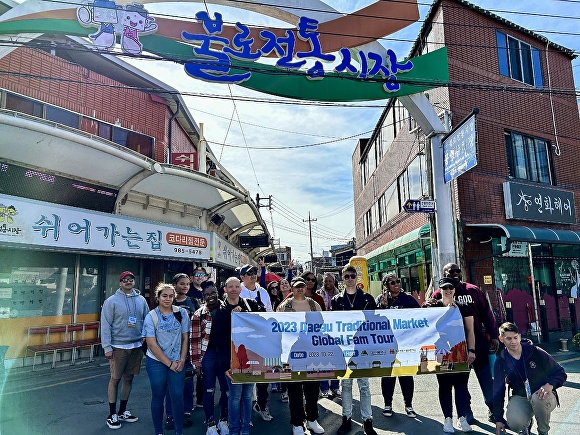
<point x="72" y="400"/>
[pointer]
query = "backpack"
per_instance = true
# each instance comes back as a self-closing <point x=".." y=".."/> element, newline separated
<point x="176" y="313"/>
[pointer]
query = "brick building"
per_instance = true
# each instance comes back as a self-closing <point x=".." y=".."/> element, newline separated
<point x="524" y="191"/>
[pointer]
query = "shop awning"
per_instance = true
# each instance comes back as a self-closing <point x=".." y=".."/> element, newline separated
<point x="533" y="234"/>
<point x="412" y="236"/>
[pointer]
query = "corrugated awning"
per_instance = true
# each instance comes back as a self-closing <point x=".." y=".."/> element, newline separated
<point x="533" y="234"/>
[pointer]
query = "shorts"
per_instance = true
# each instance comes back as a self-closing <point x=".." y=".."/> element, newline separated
<point x="125" y="362"/>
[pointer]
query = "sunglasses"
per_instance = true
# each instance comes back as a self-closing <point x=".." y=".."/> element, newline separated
<point x="310" y="279"/>
<point x="398" y="281"/>
<point x="199" y="275"/>
<point x="447" y="287"/>
<point x="128" y="280"/>
<point x="454" y="271"/>
<point x="273" y="286"/>
<point x="349" y="276"/>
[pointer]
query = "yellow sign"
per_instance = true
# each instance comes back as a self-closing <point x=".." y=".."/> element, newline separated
<point x="487" y="279"/>
<point x="362" y="275"/>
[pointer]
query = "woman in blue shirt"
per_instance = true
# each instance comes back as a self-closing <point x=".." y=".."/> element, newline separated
<point x="166" y="329"/>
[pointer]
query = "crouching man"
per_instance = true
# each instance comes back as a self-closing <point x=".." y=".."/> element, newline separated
<point x="532" y="377"/>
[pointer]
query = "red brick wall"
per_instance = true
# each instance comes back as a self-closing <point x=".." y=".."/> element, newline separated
<point x="76" y="88"/>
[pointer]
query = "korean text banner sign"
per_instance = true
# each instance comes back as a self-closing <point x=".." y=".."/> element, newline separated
<point x="354" y="344"/>
<point x="35" y="223"/>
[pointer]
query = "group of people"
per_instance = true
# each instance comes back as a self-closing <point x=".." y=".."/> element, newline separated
<point x="188" y="334"/>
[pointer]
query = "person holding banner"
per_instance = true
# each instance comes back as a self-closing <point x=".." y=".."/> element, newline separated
<point x="300" y="393"/>
<point x="328" y="291"/>
<point x="456" y="380"/>
<point x="240" y="397"/>
<point x="353" y="298"/>
<point x="252" y="290"/>
<point x="204" y="358"/>
<point x="484" y="324"/>
<point x="393" y="298"/>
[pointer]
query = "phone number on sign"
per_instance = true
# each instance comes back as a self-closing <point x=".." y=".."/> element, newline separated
<point x="187" y="251"/>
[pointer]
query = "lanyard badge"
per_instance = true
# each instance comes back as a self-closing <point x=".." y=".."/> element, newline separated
<point x="528" y="389"/>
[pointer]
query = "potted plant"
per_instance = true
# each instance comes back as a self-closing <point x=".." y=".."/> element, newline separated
<point x="576" y="340"/>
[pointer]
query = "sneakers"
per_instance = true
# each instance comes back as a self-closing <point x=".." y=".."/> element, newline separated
<point x="337" y="393"/>
<point x="187" y="420"/>
<point x="212" y="430"/>
<point x="524" y="432"/>
<point x="265" y="413"/>
<point x="345" y="427"/>
<point x="113" y="422"/>
<point x="314" y="427"/>
<point x="223" y="427"/>
<point x="448" y="425"/>
<point x="284" y="397"/>
<point x="388" y="411"/>
<point x="128" y="417"/>
<point x="297" y="430"/>
<point x="326" y="394"/>
<point x="463" y="425"/>
<point x="368" y="427"/>
<point x="410" y="412"/>
<point x="169" y="423"/>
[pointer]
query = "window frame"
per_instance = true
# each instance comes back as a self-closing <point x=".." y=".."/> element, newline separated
<point x="529" y="67"/>
<point x="534" y="169"/>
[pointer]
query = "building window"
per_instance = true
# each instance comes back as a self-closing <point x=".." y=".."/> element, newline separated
<point x="528" y="158"/>
<point x="518" y="60"/>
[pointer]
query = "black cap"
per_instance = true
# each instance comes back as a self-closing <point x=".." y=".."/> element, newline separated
<point x="446" y="281"/>
<point x="246" y="268"/>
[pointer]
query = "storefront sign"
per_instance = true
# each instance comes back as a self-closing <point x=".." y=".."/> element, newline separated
<point x="538" y="203"/>
<point x="517" y="248"/>
<point x="226" y="254"/>
<point x="42" y="224"/>
<point x="185" y="160"/>
<point x="487" y="279"/>
<point x="329" y="344"/>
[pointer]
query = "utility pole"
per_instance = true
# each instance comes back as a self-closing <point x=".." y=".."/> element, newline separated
<point x="309" y="220"/>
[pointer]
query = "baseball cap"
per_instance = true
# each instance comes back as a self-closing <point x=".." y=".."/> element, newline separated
<point x="298" y="282"/>
<point x="247" y="268"/>
<point x="446" y="281"/>
<point x="126" y="273"/>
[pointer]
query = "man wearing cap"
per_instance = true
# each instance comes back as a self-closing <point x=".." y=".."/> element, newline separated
<point x="251" y="290"/>
<point x="484" y="325"/>
<point x="122" y="319"/>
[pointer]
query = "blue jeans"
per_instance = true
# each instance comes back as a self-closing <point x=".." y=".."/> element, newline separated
<point x="240" y="407"/>
<point x="365" y="398"/>
<point x="163" y="380"/>
<point x="211" y="370"/>
<point x="187" y="393"/>
<point x="333" y="384"/>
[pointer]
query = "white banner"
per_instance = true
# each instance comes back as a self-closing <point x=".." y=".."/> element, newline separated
<point x="355" y="344"/>
<point x="35" y="223"/>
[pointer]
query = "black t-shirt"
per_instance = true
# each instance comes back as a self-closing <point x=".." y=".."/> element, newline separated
<point x="222" y="327"/>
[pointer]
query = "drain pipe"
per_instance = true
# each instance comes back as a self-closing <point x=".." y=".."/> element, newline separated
<point x="170" y="133"/>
